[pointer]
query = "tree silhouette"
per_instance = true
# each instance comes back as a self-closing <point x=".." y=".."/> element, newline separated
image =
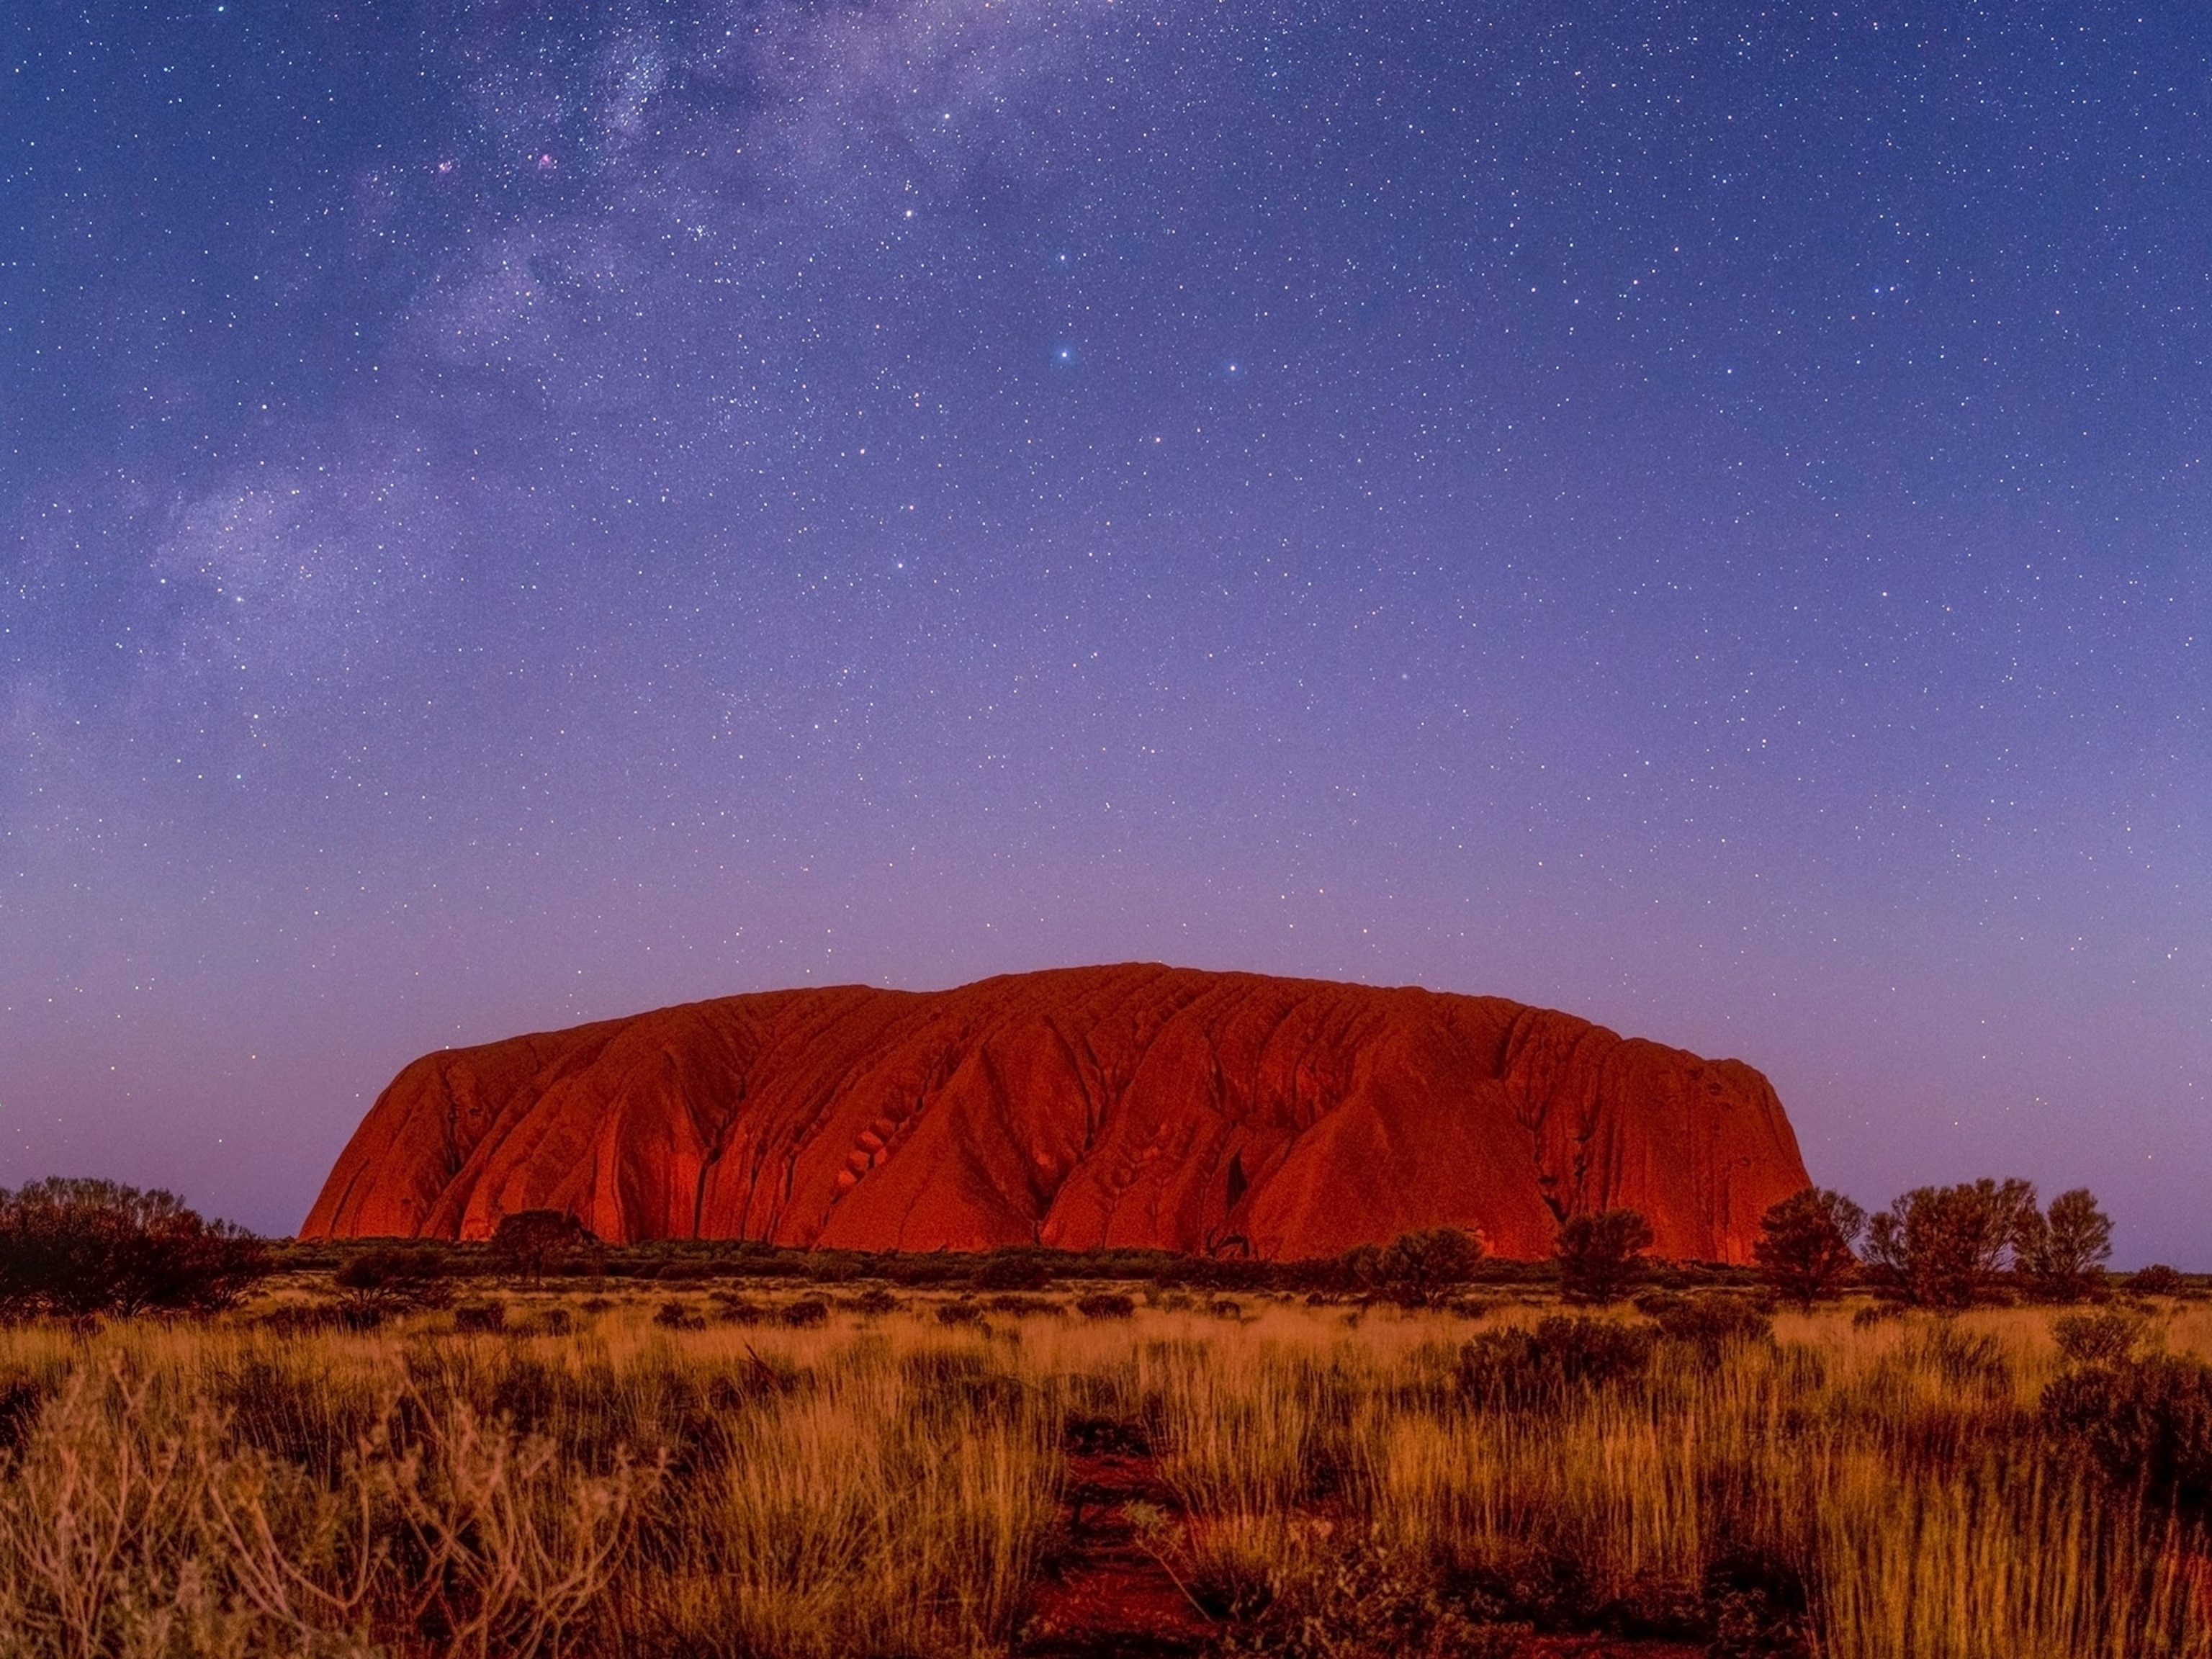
<point x="1945" y="1247"/>
<point x="72" y="1248"/>
<point x="1804" y="1244"/>
<point x="532" y="1241"/>
<point x="2062" y="1253"/>
<point x="1601" y="1254"/>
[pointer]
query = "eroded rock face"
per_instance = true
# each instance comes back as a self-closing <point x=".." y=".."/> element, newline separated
<point x="1127" y="1106"/>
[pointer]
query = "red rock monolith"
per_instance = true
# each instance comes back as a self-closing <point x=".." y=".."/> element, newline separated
<point x="1137" y="1105"/>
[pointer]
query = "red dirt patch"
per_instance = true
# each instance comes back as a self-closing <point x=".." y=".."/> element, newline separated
<point x="1108" y="1596"/>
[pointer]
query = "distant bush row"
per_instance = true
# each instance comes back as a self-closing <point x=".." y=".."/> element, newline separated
<point x="78" y="1248"/>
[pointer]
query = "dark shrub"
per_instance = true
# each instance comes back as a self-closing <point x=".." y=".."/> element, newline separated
<point x="533" y="1242"/>
<point x="1105" y="1304"/>
<point x="1965" y="1359"/>
<point x="875" y="1302"/>
<point x="377" y="1283"/>
<point x="1601" y="1254"/>
<point x="804" y="1314"/>
<point x="1225" y="1309"/>
<point x="553" y="1322"/>
<point x="1012" y="1270"/>
<point x="1090" y="1434"/>
<point x="2158" y="1280"/>
<point x="2100" y="1339"/>
<point x="1021" y="1307"/>
<point x="1804" y="1245"/>
<point x="1523" y="1369"/>
<point x="75" y="1249"/>
<point x="1415" y="1270"/>
<point x="480" y="1316"/>
<point x="738" y="1310"/>
<point x="683" y="1272"/>
<point x="958" y="1313"/>
<point x="20" y="1400"/>
<point x="2147" y="1424"/>
<point x="1875" y="1312"/>
<point x="1756" y="1606"/>
<point x="677" y="1315"/>
<point x="312" y="1318"/>
<point x="1708" y="1322"/>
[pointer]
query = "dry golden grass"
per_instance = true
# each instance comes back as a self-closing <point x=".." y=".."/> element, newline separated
<point x="891" y="1486"/>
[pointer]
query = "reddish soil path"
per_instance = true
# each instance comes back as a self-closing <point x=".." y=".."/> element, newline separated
<point x="1109" y="1596"/>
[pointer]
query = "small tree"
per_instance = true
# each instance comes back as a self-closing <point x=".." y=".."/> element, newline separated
<point x="2062" y="1253"/>
<point x="1804" y="1245"/>
<point x="1600" y="1254"/>
<point x="531" y="1241"/>
<point x="1945" y="1247"/>
<point x="385" y="1281"/>
<point x="73" y="1248"/>
<point x="1420" y="1269"/>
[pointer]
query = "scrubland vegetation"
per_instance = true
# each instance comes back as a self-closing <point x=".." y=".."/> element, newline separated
<point x="595" y="1478"/>
<point x="416" y="1451"/>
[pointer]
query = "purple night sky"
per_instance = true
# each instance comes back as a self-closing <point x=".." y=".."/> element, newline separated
<point x="519" y="514"/>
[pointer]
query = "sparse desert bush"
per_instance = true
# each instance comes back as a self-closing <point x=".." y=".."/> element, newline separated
<point x="1519" y="1368"/>
<point x="1709" y="1321"/>
<point x="1415" y="1270"/>
<point x="2146" y="1424"/>
<point x="377" y="1284"/>
<point x="805" y="1313"/>
<point x="677" y="1315"/>
<point x="2062" y="1253"/>
<point x="1105" y="1304"/>
<point x="2100" y="1339"/>
<point x="480" y="1316"/>
<point x="2157" y="1279"/>
<point x="734" y="1309"/>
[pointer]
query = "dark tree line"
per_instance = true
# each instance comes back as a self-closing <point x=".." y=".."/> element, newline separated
<point x="1938" y="1247"/>
<point x="73" y="1248"/>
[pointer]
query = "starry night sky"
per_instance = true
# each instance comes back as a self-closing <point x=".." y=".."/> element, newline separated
<point x="519" y="513"/>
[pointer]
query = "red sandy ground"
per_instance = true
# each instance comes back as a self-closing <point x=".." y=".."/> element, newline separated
<point x="1111" y="1598"/>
